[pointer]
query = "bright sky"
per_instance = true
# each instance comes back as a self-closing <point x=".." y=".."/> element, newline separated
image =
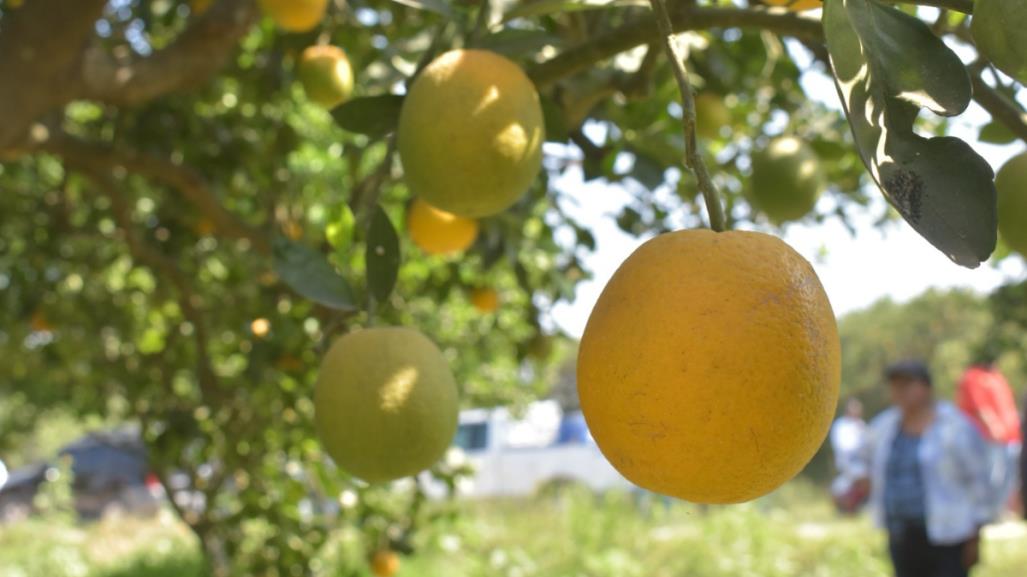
<point x="892" y="261"/>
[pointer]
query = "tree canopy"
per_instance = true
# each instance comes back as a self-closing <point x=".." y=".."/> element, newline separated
<point x="182" y="232"/>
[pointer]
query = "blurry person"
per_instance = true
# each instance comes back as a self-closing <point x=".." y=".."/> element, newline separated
<point x="926" y="467"/>
<point x="985" y="397"/>
<point x="847" y="438"/>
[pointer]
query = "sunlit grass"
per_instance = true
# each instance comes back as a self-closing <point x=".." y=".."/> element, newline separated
<point x="793" y="533"/>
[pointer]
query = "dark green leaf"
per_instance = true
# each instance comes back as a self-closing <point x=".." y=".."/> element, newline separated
<point x="382" y="255"/>
<point x="309" y="274"/>
<point x="515" y="42"/>
<point x="647" y="171"/>
<point x="556" y="122"/>
<point x="374" y="116"/>
<point x="886" y="65"/>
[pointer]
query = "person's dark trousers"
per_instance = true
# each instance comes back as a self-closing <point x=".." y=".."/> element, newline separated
<point x="913" y="555"/>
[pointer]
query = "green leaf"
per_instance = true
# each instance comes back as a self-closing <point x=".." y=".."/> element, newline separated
<point x="996" y="133"/>
<point x="375" y="116"/>
<point x="555" y="120"/>
<point x="339" y="232"/>
<point x="382" y="255"/>
<point x="887" y="64"/>
<point x="309" y="274"/>
<point x="515" y="42"/>
<point x="436" y="6"/>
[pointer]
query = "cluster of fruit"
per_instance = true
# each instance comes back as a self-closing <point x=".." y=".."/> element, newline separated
<point x="709" y="368"/>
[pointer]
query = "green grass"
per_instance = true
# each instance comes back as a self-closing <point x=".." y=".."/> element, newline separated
<point x="793" y="533"/>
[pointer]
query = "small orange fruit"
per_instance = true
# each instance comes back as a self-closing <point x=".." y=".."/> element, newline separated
<point x="384" y="563"/>
<point x="439" y="232"/>
<point x="485" y="299"/>
<point x="326" y="75"/>
<point x="796" y="5"/>
<point x="295" y="15"/>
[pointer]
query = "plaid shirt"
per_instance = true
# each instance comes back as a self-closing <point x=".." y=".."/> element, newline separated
<point x="954" y="464"/>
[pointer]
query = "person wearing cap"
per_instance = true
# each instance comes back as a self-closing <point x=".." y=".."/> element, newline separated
<point x="927" y="470"/>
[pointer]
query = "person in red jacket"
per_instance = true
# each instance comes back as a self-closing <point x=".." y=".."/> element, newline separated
<point x="986" y="398"/>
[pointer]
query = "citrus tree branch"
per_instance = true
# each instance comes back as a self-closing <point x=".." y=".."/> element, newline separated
<point x="683" y="17"/>
<point x="999" y="107"/>
<point x="144" y="253"/>
<point x="196" y="55"/>
<point x="188" y="183"/>
<point x="693" y="156"/>
<point x="50" y="55"/>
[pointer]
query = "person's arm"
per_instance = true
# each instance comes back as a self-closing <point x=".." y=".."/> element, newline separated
<point x="973" y="455"/>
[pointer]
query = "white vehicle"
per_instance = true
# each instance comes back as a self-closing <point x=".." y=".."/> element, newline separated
<point x="517" y="457"/>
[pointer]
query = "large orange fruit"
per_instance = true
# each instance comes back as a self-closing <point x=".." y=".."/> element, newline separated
<point x="439" y="232"/>
<point x="709" y="367"/>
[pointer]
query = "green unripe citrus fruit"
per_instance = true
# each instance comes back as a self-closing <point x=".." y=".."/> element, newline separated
<point x="786" y="179"/>
<point x="1000" y="31"/>
<point x="711" y="115"/>
<point x="385" y="404"/>
<point x="471" y="133"/>
<point x="326" y="75"/>
<point x="1011" y="183"/>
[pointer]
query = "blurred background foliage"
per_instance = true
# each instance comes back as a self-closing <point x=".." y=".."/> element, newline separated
<point x="121" y="300"/>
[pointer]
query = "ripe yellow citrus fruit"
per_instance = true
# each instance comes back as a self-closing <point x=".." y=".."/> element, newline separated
<point x="711" y="115"/>
<point x="385" y="404"/>
<point x="998" y="29"/>
<point x="326" y="75"/>
<point x="786" y="179"/>
<point x="1011" y="183"/>
<point x="440" y="232"/>
<point x="710" y="365"/>
<point x="796" y="5"/>
<point x="384" y="563"/>
<point x="295" y="15"/>
<point x="471" y="133"/>
<point x="486" y="299"/>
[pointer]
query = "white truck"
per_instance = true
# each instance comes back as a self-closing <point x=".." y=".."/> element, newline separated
<point x="515" y="457"/>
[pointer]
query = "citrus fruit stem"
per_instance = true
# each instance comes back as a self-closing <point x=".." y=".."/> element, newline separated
<point x="693" y="156"/>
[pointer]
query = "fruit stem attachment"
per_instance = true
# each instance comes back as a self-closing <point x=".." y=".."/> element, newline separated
<point x="693" y="156"/>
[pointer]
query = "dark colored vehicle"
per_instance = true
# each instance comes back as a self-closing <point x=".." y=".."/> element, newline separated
<point x="109" y="471"/>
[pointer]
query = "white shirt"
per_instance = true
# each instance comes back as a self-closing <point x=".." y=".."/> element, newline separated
<point x="847" y="436"/>
<point x="953" y="460"/>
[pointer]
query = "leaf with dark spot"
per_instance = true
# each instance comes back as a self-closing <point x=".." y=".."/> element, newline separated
<point x="887" y="65"/>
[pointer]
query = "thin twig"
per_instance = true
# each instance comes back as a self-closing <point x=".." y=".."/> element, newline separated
<point x="693" y="156"/>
